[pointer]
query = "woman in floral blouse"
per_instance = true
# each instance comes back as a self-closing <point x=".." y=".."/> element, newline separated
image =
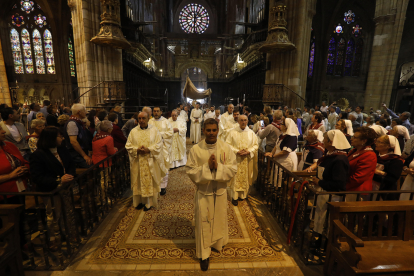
<point x="37" y="125"/>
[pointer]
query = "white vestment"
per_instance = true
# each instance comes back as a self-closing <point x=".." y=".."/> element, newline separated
<point x="195" y="131"/>
<point x="166" y="131"/>
<point x="178" y="151"/>
<point x="238" y="140"/>
<point x="226" y="126"/>
<point x="209" y="115"/>
<point x="147" y="170"/>
<point x="211" y="222"/>
<point x="183" y="116"/>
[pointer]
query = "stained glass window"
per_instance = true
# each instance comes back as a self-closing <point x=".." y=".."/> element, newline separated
<point x="38" y="52"/>
<point x="358" y="58"/>
<point x="339" y="29"/>
<point x="194" y="19"/>
<point x="17" y="20"/>
<point x="331" y="56"/>
<point x="50" y="58"/>
<point x="27" y="6"/>
<point x="311" y="60"/>
<point x="71" y="59"/>
<point x="40" y="20"/>
<point x="349" y="17"/>
<point x="16" y="52"/>
<point x="349" y="56"/>
<point x="27" y="52"/>
<point x="340" y="53"/>
<point x="357" y="30"/>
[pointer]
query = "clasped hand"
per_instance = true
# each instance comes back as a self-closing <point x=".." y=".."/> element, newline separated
<point x="212" y="162"/>
<point x="143" y="150"/>
<point x="243" y="152"/>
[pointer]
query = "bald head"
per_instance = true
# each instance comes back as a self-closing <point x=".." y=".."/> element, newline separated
<point x="243" y="120"/>
<point x="143" y="119"/>
<point x="148" y="110"/>
<point x="230" y="108"/>
<point x="174" y="115"/>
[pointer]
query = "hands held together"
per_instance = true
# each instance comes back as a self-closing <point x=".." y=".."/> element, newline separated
<point x="143" y="150"/>
<point x="18" y="172"/>
<point x="243" y="152"/>
<point x="212" y="162"/>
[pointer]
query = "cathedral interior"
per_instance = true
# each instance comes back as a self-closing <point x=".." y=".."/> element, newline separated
<point x="253" y="52"/>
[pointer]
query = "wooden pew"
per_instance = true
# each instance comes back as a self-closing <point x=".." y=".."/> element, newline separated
<point x="10" y="254"/>
<point x="370" y="238"/>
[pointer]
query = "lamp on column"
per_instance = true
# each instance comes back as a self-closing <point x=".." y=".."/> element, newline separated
<point x="277" y="35"/>
<point x="110" y="33"/>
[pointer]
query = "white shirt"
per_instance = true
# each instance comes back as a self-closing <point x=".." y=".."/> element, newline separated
<point x="14" y="132"/>
<point x="324" y="108"/>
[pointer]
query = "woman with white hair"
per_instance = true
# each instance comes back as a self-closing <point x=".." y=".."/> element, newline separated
<point x="37" y="125"/>
<point x="389" y="166"/>
<point x="285" y="150"/>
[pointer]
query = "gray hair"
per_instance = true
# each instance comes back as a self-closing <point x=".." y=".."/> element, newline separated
<point x="76" y="108"/>
<point x="37" y="122"/>
<point x="174" y="111"/>
<point x="278" y="115"/>
<point x="105" y="125"/>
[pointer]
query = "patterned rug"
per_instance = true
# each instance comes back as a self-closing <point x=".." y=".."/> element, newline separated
<point x="166" y="235"/>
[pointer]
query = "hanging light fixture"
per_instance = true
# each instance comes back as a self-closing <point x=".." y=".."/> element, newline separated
<point x="277" y="35"/>
<point x="110" y="33"/>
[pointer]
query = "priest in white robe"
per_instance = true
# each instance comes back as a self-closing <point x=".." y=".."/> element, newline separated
<point x="196" y="118"/>
<point x="211" y="165"/>
<point x="228" y="125"/>
<point x="166" y="131"/>
<point x="178" y="148"/>
<point x="217" y="115"/>
<point x="182" y="114"/>
<point x="243" y="142"/>
<point x="224" y="117"/>
<point x="210" y="113"/>
<point x="145" y="148"/>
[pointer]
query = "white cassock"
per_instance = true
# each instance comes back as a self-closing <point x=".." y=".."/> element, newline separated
<point x="195" y="131"/>
<point x="178" y="151"/>
<point x="166" y="131"/>
<point x="183" y="116"/>
<point x="147" y="170"/>
<point x="211" y="223"/>
<point x="226" y="126"/>
<point x="209" y="115"/>
<point x="217" y="118"/>
<point x="238" y="140"/>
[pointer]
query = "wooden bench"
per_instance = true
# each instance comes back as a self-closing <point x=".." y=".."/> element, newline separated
<point x="370" y="238"/>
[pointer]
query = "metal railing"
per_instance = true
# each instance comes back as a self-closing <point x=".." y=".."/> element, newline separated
<point x="294" y="205"/>
<point x="71" y="212"/>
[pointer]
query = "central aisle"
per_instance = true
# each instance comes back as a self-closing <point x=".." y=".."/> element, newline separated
<point x="163" y="238"/>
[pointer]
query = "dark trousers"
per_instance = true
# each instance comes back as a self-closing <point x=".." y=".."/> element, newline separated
<point x="79" y="160"/>
<point x="188" y="128"/>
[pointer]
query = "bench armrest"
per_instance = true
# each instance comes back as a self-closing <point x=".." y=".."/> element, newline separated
<point x="350" y="237"/>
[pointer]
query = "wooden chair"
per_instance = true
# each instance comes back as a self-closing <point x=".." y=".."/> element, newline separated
<point x="370" y="238"/>
<point x="10" y="255"/>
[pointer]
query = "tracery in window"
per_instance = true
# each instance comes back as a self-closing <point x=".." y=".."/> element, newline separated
<point x="194" y="19"/>
<point x="331" y="56"/>
<point x="349" y="56"/>
<point x="38" y="52"/>
<point x="349" y="17"/>
<point x="27" y="51"/>
<point x="311" y="58"/>
<point x="16" y="52"/>
<point x="50" y="58"/>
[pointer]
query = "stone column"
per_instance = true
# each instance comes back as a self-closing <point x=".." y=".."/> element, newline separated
<point x="4" y="84"/>
<point x="389" y="18"/>
<point x="94" y="63"/>
<point x="290" y="68"/>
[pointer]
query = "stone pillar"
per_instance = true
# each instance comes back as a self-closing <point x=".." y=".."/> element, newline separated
<point x="290" y="68"/>
<point x="4" y="84"/>
<point x="94" y="63"/>
<point x="389" y="18"/>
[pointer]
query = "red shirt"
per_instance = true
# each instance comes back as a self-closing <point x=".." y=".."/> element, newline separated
<point x="119" y="138"/>
<point x="5" y="167"/>
<point x="101" y="149"/>
<point x="361" y="170"/>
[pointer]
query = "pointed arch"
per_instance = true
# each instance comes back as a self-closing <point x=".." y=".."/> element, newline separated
<point x="349" y="57"/>
<point x="331" y="56"/>
<point x="27" y="51"/>
<point x="50" y="57"/>
<point x="340" y="53"/>
<point x="16" y="51"/>
<point x="38" y="52"/>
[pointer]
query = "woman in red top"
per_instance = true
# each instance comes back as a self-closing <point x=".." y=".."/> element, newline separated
<point x="103" y="144"/>
<point x="119" y="137"/>
<point x="13" y="169"/>
<point x="362" y="160"/>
